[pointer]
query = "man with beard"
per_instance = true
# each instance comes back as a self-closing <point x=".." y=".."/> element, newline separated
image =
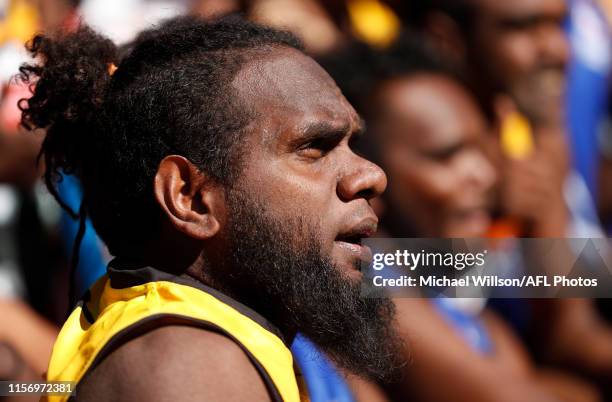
<point x="217" y="165"/>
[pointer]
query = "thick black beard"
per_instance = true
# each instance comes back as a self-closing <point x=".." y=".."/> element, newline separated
<point x="277" y="268"/>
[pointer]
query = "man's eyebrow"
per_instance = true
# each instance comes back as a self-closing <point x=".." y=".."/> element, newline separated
<point x="320" y="129"/>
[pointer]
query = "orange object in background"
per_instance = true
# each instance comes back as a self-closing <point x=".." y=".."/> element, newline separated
<point x="373" y="22"/>
<point x="516" y="136"/>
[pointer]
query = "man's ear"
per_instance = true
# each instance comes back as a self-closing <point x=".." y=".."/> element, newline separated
<point x="191" y="200"/>
<point x="446" y="36"/>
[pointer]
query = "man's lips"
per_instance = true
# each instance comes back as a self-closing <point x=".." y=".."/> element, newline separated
<point x="350" y="239"/>
<point x="360" y="251"/>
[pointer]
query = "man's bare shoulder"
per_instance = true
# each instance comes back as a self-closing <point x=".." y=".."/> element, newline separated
<point x="175" y="363"/>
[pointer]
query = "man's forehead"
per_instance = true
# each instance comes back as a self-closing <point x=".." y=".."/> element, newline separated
<point x="287" y="80"/>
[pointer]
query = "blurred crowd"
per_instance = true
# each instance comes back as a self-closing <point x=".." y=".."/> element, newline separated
<point x="491" y="119"/>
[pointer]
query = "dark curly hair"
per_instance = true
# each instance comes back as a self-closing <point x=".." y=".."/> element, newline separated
<point x="170" y="94"/>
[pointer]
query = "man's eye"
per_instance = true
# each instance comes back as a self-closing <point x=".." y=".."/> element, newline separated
<point x="311" y="153"/>
<point x="317" y="148"/>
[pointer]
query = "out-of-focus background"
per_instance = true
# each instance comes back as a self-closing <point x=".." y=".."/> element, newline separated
<point x="491" y="119"/>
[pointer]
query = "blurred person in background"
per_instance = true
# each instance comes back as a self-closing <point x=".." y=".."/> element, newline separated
<point x="428" y="133"/>
<point x="36" y="236"/>
<point x="32" y="265"/>
<point x="514" y="55"/>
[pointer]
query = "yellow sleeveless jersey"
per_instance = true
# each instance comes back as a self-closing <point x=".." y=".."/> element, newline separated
<point x="129" y="302"/>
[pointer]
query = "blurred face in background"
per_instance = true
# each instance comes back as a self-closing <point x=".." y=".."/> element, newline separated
<point x="520" y="48"/>
<point x="429" y="132"/>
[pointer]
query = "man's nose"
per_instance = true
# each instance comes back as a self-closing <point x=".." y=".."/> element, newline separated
<point x="365" y="180"/>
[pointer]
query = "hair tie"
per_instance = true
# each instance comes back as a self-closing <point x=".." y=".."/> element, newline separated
<point x="111" y="69"/>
